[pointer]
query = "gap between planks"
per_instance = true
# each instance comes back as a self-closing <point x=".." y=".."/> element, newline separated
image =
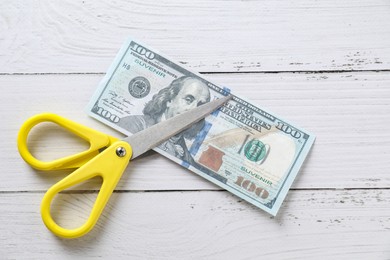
<point x="204" y="72"/>
<point x="182" y="191"/>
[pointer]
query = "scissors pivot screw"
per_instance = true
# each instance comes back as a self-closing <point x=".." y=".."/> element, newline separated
<point x="120" y="151"/>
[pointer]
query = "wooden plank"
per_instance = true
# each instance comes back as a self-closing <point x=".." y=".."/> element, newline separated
<point x="84" y="36"/>
<point x="347" y="111"/>
<point x="326" y="224"/>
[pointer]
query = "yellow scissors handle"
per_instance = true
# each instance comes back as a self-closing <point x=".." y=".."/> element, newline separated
<point x="109" y="165"/>
<point x="96" y="139"/>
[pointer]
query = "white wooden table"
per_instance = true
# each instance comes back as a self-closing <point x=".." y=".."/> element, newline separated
<point x="321" y="64"/>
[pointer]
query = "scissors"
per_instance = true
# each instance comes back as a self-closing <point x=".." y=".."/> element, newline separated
<point x="106" y="157"/>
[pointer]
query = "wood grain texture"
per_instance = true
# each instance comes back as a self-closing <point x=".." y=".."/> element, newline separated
<point x="220" y="36"/>
<point x="323" y="65"/>
<point x="348" y="112"/>
<point x="205" y="225"/>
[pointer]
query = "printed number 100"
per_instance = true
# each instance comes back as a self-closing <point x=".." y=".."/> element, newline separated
<point x="251" y="187"/>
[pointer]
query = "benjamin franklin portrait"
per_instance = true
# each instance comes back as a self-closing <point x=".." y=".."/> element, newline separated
<point x="181" y="95"/>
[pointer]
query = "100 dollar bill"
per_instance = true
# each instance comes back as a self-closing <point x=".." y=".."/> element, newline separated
<point x="241" y="147"/>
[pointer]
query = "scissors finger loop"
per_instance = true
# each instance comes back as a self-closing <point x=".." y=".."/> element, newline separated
<point x="96" y="139"/>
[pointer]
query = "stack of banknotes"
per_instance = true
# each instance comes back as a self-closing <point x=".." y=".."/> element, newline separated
<point x="241" y="147"/>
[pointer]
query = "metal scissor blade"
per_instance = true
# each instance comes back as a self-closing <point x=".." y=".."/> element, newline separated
<point x="151" y="137"/>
